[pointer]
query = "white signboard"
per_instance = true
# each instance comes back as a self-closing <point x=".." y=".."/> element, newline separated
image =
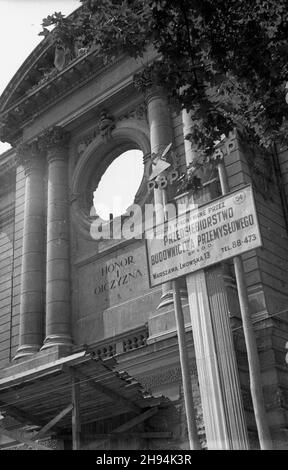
<point x="212" y="233"/>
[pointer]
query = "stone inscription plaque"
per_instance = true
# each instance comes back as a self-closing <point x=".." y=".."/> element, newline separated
<point x="113" y="279"/>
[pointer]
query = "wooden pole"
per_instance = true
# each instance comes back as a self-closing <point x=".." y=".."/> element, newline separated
<point x="76" y="426"/>
<point x="52" y="422"/>
<point x="186" y="377"/>
<point x="250" y="341"/>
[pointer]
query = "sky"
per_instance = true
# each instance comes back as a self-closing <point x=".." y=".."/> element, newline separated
<point x="125" y="173"/>
<point x="20" y="23"/>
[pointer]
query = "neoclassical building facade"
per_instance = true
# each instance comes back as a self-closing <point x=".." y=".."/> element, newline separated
<point x="82" y="333"/>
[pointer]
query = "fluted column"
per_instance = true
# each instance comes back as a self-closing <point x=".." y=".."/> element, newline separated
<point x="58" y="312"/>
<point x="228" y="371"/>
<point x="161" y="135"/>
<point x="187" y="123"/>
<point x="32" y="294"/>
<point x="221" y="398"/>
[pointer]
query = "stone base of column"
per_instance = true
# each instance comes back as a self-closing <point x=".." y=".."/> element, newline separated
<point x="26" y="350"/>
<point x="166" y="299"/>
<point x="161" y="323"/>
<point x="57" y="340"/>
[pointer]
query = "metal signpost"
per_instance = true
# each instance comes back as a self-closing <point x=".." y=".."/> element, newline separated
<point x="250" y="340"/>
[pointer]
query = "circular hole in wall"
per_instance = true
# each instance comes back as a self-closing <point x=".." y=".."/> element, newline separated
<point x="119" y="184"/>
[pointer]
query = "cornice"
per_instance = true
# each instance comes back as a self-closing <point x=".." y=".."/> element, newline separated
<point x="38" y="100"/>
<point x="155" y="357"/>
<point x="22" y="73"/>
<point x="41" y="98"/>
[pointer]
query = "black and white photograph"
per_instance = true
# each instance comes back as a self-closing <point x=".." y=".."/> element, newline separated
<point x="143" y="228"/>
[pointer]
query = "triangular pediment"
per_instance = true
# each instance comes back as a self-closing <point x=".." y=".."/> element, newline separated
<point x="28" y="75"/>
<point x="38" y="84"/>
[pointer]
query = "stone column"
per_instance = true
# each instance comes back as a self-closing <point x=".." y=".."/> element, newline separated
<point x="161" y="135"/>
<point x="228" y="370"/>
<point x="221" y="399"/>
<point x="58" y="312"/>
<point x="32" y="294"/>
<point x="187" y="129"/>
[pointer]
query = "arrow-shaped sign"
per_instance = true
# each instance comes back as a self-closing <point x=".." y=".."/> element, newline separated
<point x="159" y="165"/>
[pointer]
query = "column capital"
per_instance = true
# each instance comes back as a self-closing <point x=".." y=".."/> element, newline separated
<point x="30" y="156"/>
<point x="54" y="140"/>
<point x="148" y="82"/>
<point x="153" y="91"/>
